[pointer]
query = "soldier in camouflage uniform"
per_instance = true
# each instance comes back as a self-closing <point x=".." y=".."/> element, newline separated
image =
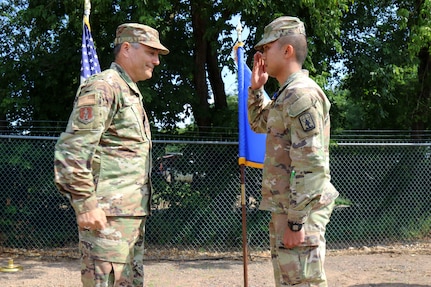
<point x="103" y="161"/>
<point x="296" y="184"/>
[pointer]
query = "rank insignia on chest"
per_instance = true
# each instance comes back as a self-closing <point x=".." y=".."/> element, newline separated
<point x="307" y="122"/>
<point x="86" y="115"/>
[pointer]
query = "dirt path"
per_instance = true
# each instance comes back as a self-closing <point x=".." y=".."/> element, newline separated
<point x="400" y="266"/>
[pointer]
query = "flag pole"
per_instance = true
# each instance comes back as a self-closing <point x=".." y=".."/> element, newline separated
<point x="243" y="201"/>
<point x="244" y="226"/>
<point x="87" y="9"/>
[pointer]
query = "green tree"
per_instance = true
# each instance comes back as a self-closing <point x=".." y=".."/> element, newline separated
<point x="416" y="19"/>
<point x="41" y="43"/>
<point x="39" y="51"/>
<point x="386" y="55"/>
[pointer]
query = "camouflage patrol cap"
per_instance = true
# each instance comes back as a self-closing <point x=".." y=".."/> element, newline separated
<point x="280" y="27"/>
<point x="139" y="33"/>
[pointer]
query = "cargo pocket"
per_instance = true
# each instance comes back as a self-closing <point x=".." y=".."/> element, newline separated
<point x="301" y="264"/>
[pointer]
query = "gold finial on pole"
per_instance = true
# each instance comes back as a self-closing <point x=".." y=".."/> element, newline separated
<point x="11" y="267"/>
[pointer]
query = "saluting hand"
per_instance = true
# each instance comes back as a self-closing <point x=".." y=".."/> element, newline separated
<point x="259" y="76"/>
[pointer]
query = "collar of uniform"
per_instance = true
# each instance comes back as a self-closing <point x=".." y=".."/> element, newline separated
<point x="289" y="80"/>
<point x="294" y="76"/>
<point x="125" y="77"/>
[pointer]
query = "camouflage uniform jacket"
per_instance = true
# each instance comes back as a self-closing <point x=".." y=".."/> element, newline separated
<point x="296" y="174"/>
<point x="103" y="159"/>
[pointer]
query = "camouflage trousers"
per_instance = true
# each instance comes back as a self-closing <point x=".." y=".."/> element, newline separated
<point x="301" y="266"/>
<point x="113" y="256"/>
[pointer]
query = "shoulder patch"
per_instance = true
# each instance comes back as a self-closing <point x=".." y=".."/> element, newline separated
<point x="307" y="122"/>
<point x="86" y="115"/>
<point x="87" y="100"/>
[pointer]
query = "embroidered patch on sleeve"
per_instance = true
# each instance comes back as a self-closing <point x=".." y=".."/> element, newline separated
<point x="86" y="115"/>
<point x="307" y="122"/>
<point x="87" y="100"/>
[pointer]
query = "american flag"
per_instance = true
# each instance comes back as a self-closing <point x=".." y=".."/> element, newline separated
<point x="89" y="61"/>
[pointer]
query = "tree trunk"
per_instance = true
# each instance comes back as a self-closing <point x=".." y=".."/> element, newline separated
<point x="201" y="111"/>
<point x="421" y="113"/>
<point x="3" y="123"/>
<point x="216" y="80"/>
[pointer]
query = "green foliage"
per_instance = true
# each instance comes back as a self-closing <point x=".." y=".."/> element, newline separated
<point x="41" y="52"/>
<point x="339" y="105"/>
<point x="343" y="201"/>
<point x="381" y="50"/>
<point x="386" y="46"/>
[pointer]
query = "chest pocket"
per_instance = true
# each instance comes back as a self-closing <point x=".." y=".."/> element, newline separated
<point x="129" y="120"/>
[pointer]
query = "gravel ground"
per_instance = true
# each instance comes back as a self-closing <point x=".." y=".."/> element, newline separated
<point x="393" y="266"/>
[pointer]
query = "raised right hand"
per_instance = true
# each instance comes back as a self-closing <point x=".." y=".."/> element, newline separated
<point x="259" y="76"/>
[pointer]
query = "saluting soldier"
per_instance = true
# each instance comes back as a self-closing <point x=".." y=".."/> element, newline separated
<point x="296" y="185"/>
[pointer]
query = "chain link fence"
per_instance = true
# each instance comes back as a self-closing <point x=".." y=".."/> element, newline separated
<point x="384" y="196"/>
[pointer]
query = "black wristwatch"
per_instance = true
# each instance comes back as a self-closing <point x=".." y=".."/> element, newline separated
<point x="295" y="227"/>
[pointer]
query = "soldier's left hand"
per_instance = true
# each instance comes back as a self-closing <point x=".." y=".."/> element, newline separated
<point x="292" y="239"/>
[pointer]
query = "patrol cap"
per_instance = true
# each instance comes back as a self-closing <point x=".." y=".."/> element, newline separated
<point x="280" y="27"/>
<point x="139" y="33"/>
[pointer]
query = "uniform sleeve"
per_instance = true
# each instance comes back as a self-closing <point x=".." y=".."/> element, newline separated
<point x="258" y="110"/>
<point x="75" y="154"/>
<point x="309" y="156"/>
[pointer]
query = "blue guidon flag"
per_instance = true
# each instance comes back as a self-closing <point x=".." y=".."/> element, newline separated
<point x="251" y="144"/>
